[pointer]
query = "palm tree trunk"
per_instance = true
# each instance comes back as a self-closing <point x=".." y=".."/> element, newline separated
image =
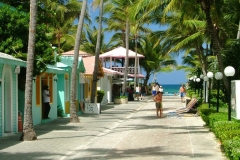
<point x="29" y="133"/>
<point x="201" y="58"/>
<point x="94" y="83"/>
<point x="216" y="45"/>
<point x="135" y="66"/>
<point x="73" y="113"/>
<point x="126" y="58"/>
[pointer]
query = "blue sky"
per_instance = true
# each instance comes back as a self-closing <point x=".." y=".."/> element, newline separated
<point x="175" y="77"/>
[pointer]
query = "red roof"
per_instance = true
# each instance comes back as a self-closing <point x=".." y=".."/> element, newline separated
<point x="89" y="66"/>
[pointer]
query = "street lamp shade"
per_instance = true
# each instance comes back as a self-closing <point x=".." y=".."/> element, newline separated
<point x="210" y="74"/>
<point x="205" y="78"/>
<point x="218" y="76"/>
<point x="194" y="77"/>
<point x="191" y="78"/>
<point x="201" y="76"/>
<point x="229" y="71"/>
<point x="198" y="80"/>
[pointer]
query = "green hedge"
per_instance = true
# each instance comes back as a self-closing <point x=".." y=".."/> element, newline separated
<point x="218" y="116"/>
<point x="204" y="112"/>
<point x="228" y="132"/>
<point x="232" y="148"/>
<point x="225" y="130"/>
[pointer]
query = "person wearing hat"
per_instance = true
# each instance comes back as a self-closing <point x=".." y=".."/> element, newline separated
<point x="161" y="89"/>
<point x="46" y="101"/>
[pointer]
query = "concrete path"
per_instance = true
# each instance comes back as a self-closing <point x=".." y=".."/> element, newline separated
<point x="126" y="131"/>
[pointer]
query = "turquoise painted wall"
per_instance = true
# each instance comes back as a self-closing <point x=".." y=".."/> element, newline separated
<point x="14" y="101"/>
<point x="60" y="92"/>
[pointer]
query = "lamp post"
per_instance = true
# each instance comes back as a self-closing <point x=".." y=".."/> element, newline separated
<point x="201" y="77"/>
<point x="198" y="80"/>
<point x="190" y="80"/>
<point x="205" y="88"/>
<point x="194" y="80"/>
<point x="229" y="71"/>
<point x="218" y="77"/>
<point x="210" y="75"/>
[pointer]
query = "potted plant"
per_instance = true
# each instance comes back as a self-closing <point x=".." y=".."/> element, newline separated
<point x="121" y="100"/>
<point x="100" y="95"/>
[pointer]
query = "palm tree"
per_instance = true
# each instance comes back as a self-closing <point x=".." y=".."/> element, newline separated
<point x="89" y="41"/>
<point x="62" y="17"/>
<point x="29" y="133"/>
<point x="120" y="14"/>
<point x="73" y="112"/>
<point x="156" y="57"/>
<point x="188" y="35"/>
<point x="98" y="47"/>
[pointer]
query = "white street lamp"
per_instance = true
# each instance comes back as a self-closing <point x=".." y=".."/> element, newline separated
<point x="210" y="76"/>
<point x="218" y="77"/>
<point x="198" y="80"/>
<point x="205" y="78"/>
<point x="229" y="71"/>
<point x="201" y="79"/>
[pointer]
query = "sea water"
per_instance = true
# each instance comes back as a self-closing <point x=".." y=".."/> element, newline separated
<point x="171" y="89"/>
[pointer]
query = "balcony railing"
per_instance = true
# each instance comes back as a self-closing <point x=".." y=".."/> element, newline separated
<point x="121" y="69"/>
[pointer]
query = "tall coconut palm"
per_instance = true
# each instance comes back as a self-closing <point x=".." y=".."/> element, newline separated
<point x="73" y="112"/>
<point x="120" y="12"/>
<point x="156" y="57"/>
<point x="29" y="133"/>
<point x="188" y="35"/>
<point x="98" y="47"/>
<point x="62" y="20"/>
<point x="210" y="8"/>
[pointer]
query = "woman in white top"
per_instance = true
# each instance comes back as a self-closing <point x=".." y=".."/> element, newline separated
<point x="137" y="93"/>
<point x="154" y="90"/>
<point x="161" y="89"/>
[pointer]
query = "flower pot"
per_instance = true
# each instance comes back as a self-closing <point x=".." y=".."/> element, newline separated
<point x="120" y="100"/>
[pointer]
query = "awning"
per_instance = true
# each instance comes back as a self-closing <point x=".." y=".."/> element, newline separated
<point x="111" y="72"/>
<point x="138" y="75"/>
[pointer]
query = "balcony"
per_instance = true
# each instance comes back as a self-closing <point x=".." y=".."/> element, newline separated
<point x="121" y="69"/>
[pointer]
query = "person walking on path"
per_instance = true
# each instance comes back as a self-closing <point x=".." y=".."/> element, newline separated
<point x="46" y="101"/>
<point x="154" y="90"/>
<point x="161" y="89"/>
<point x="182" y="91"/>
<point x="137" y="93"/>
<point x="158" y="103"/>
<point x="143" y="91"/>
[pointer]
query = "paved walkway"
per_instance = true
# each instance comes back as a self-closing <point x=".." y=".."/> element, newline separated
<point x="126" y="131"/>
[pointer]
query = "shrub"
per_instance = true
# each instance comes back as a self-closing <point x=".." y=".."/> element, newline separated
<point x="215" y="117"/>
<point x="227" y="135"/>
<point x="205" y="112"/>
<point x="232" y="148"/>
<point x="100" y="95"/>
<point x="59" y="111"/>
<point x="225" y="130"/>
<point x="121" y="97"/>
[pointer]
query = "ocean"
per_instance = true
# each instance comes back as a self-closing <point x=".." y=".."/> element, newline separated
<point x="170" y="89"/>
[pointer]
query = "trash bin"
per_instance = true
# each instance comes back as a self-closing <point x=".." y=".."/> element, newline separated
<point x="20" y="124"/>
